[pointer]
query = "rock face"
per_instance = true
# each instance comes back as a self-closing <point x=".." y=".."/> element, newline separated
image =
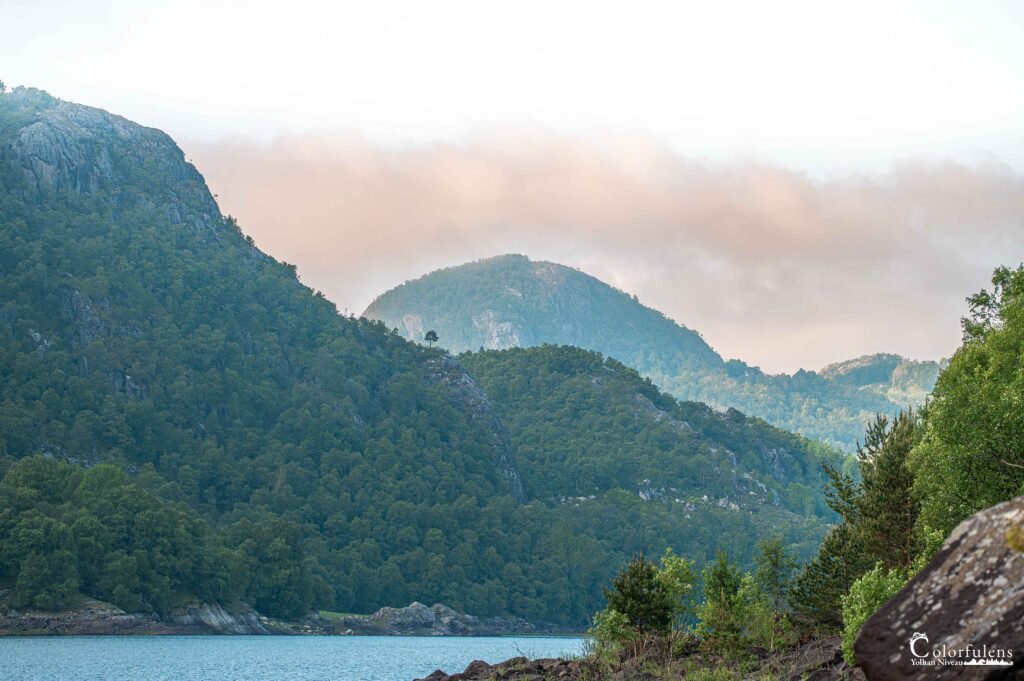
<point x="218" y="620"/>
<point x="86" y="150"/>
<point x="968" y="602"/>
<point x="438" y="620"/>
<point x="468" y="396"/>
<point x="96" y="618"/>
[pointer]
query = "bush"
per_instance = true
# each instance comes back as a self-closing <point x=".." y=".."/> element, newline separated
<point x="867" y="595"/>
<point x="608" y="634"/>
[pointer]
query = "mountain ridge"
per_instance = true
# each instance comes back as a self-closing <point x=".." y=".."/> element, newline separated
<point x="182" y="419"/>
<point x="510" y="301"/>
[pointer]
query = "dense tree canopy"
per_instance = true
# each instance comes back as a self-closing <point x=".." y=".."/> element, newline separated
<point x="972" y="455"/>
<point x="230" y="436"/>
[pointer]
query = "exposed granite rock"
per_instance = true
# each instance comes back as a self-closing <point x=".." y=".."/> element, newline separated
<point x="71" y="147"/>
<point x="970" y="594"/>
<point x="96" y="618"/>
<point x="471" y="398"/>
<point x="498" y="335"/>
<point x="215" y="618"/>
<point x="437" y="620"/>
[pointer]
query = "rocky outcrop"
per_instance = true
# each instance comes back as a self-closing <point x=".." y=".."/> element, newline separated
<point x="437" y="620"/>
<point x="96" y="618"/>
<point x="216" y="619"/>
<point x="81" y="149"/>
<point x="518" y="668"/>
<point x="468" y="396"/>
<point x="964" y="608"/>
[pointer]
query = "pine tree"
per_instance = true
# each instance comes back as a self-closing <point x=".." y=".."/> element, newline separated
<point x="720" y="613"/>
<point x="822" y="583"/>
<point x="774" y="572"/>
<point x="887" y="507"/>
<point x="638" y="594"/>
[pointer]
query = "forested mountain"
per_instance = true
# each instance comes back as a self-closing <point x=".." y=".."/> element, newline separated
<point x="180" y="418"/>
<point x="511" y="301"/>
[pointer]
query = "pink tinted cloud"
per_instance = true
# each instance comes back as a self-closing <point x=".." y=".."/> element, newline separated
<point x="774" y="266"/>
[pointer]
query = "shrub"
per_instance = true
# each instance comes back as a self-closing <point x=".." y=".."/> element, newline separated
<point x="867" y="595"/>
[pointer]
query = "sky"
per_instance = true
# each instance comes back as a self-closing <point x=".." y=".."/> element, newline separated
<point x="802" y="182"/>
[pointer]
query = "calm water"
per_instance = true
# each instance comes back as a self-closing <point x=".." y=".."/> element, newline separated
<point x="267" y="658"/>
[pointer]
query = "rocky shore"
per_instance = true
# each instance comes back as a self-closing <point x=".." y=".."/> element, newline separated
<point x="96" y="618"/>
<point x="417" y="619"/>
<point x="820" y="660"/>
<point x="965" y="607"/>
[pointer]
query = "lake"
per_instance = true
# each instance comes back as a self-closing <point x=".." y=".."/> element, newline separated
<point x="270" y="658"/>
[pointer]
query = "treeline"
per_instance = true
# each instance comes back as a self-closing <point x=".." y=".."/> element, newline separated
<point x="917" y="476"/>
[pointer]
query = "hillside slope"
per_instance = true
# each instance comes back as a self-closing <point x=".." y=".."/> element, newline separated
<point x="511" y="301"/>
<point x="258" y="446"/>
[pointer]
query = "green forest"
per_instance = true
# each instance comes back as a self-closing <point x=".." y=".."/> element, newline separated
<point x="180" y="418"/>
<point x="510" y="301"/>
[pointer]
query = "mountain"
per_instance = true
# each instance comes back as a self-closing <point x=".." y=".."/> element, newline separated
<point x="511" y="301"/>
<point x="181" y="419"/>
<point x="905" y="382"/>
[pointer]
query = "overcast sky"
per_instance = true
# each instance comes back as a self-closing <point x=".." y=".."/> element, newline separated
<point x="801" y="182"/>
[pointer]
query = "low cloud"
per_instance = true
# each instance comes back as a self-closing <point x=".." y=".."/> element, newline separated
<point x="773" y="266"/>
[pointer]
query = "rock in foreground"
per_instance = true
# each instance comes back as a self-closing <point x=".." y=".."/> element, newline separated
<point x="968" y="602"/>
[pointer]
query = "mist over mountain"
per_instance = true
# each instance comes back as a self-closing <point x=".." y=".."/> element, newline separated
<point x="511" y="301"/>
<point x="181" y="419"/>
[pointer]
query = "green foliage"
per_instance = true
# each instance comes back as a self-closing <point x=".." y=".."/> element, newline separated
<point x="510" y="300"/>
<point x="678" y="580"/>
<point x="586" y="426"/>
<point x="869" y="593"/>
<point x="970" y="457"/>
<point x="66" y="530"/>
<point x="641" y="596"/>
<point x="822" y="583"/>
<point x="774" y="573"/>
<point x="297" y="459"/>
<point x="721" y="612"/>
<point x="878" y="514"/>
<point x="887" y="509"/>
<point x="608" y="635"/>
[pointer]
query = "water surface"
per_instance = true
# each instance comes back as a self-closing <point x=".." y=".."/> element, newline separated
<point x="264" y="658"/>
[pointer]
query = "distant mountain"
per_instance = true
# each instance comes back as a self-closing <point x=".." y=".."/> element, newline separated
<point x="511" y="301"/>
<point x="906" y="382"/>
<point x="181" y="419"/>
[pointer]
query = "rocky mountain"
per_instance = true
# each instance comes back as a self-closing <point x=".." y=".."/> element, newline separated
<point x="512" y="301"/>
<point x="905" y="382"/>
<point x="182" y="421"/>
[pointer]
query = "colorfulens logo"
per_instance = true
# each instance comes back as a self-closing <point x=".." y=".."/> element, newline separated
<point x="967" y="656"/>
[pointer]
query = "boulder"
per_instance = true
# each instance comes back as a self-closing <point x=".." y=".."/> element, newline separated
<point x="962" y="616"/>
